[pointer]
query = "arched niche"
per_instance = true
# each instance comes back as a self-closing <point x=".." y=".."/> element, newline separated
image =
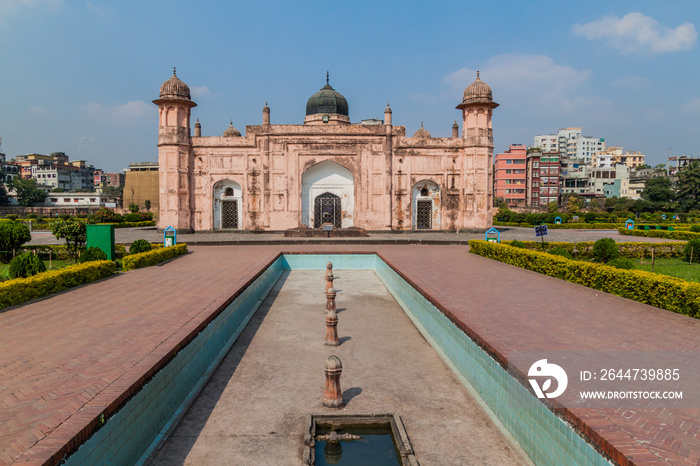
<point x="327" y="179"/>
<point x="425" y="205"/>
<point x="228" y="200"/>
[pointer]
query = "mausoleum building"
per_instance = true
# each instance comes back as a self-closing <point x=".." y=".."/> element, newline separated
<point x="326" y="170"/>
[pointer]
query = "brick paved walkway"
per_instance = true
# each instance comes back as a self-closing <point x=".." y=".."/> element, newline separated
<point x="66" y="359"/>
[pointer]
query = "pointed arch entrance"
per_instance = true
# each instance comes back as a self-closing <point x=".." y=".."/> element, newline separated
<point x="227" y="205"/>
<point x="327" y="195"/>
<point x="426" y="205"/>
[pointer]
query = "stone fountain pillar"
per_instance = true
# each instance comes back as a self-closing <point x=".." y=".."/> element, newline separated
<point x="332" y="395"/>
<point x="330" y="300"/>
<point x="329" y="275"/>
<point x="332" y="328"/>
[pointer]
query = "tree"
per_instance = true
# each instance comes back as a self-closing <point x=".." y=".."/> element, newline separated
<point x="689" y="187"/>
<point x="12" y="236"/>
<point x="573" y="203"/>
<point x="658" y="190"/>
<point x="73" y="231"/>
<point x="133" y="208"/>
<point x="4" y="199"/>
<point x="28" y="192"/>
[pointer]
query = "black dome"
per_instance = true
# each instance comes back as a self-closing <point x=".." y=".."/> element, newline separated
<point x="327" y="100"/>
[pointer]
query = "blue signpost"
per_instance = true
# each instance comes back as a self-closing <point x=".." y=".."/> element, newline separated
<point x="629" y="224"/>
<point x="169" y="237"/>
<point x="492" y="239"/>
<point x="541" y="231"/>
<point x="557" y="220"/>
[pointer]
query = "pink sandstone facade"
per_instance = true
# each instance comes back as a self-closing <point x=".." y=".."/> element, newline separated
<point x="326" y="170"/>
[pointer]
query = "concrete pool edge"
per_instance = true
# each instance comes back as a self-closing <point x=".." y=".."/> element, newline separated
<point x="374" y="261"/>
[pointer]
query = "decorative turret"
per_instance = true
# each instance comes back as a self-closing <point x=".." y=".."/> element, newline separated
<point x="477" y="107"/>
<point x="387" y="115"/>
<point x="174" y="149"/>
<point x="266" y="114"/>
<point x="455" y="130"/>
<point x="197" y="129"/>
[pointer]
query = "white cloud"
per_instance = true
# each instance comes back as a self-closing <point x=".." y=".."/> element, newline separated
<point x="633" y="83"/>
<point x="136" y="110"/>
<point x="636" y="32"/>
<point x="199" y="91"/>
<point x="38" y="111"/>
<point x="692" y="106"/>
<point x="530" y="83"/>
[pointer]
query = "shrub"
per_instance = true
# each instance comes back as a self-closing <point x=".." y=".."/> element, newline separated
<point x="590" y="217"/>
<point x="132" y="217"/>
<point x="64" y="216"/>
<point x="559" y="251"/>
<point x="145" y="259"/>
<point x="32" y="216"/>
<point x="26" y="265"/>
<point x="605" y="249"/>
<point x="695" y="228"/>
<point x="119" y="251"/>
<point x="692" y="248"/>
<point x="12" y="217"/>
<point x="23" y="289"/>
<point x="517" y="244"/>
<point x="92" y="254"/>
<point x="146" y="216"/>
<point x="139" y="246"/>
<point x="133" y="208"/>
<point x="682" y="235"/>
<point x="105" y="215"/>
<point x="621" y="263"/>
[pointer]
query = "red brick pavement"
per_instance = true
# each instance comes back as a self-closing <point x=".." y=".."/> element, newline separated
<point x="67" y="359"/>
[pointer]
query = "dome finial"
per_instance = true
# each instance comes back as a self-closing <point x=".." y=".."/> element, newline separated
<point x="327" y="77"/>
<point x="477" y="74"/>
<point x="231" y="121"/>
<point x="421" y="123"/>
<point x="174" y="73"/>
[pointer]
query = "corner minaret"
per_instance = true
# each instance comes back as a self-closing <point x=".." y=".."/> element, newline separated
<point x="477" y="108"/>
<point x="174" y="155"/>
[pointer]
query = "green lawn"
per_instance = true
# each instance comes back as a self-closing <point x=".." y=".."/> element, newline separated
<point x="673" y="267"/>
<point x="55" y="264"/>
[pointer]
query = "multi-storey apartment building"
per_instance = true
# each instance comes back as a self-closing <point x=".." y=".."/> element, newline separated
<point x="510" y="175"/>
<point x="569" y="142"/>
<point x="542" y="178"/>
<point x="615" y="155"/>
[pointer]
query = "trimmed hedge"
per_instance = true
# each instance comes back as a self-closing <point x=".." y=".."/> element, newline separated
<point x="20" y="290"/>
<point x="565" y="226"/>
<point x="153" y="257"/>
<point x="631" y="250"/>
<point x="146" y="223"/>
<point x="673" y="294"/>
<point x="681" y="235"/>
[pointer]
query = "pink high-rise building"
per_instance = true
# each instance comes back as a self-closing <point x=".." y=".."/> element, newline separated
<point x="509" y="175"/>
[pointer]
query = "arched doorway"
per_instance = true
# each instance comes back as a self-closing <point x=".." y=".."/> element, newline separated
<point x="227" y="205"/>
<point x="329" y="186"/>
<point x="426" y="205"/>
<point x="327" y="209"/>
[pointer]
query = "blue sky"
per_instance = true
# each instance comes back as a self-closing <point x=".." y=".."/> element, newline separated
<point x="79" y="77"/>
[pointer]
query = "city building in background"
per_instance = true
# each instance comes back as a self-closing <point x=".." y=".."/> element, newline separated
<point x="570" y="143"/>
<point x="141" y="184"/>
<point x="510" y="176"/>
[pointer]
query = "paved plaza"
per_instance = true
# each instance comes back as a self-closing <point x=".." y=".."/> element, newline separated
<point x="66" y="359"/>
